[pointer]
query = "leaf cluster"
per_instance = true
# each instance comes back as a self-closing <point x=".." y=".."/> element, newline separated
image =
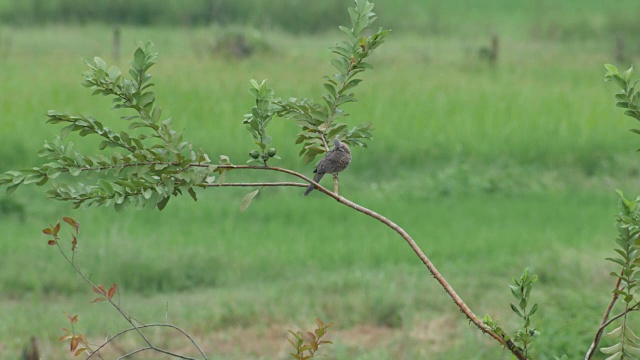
<point x="521" y="290"/>
<point x="306" y="344"/>
<point x="525" y="336"/>
<point x="258" y="120"/>
<point x="319" y="121"/>
<point x="78" y="344"/>
<point x="629" y="96"/>
<point x="145" y="165"/>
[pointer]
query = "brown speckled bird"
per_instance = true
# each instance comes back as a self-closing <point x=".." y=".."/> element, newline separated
<point x="334" y="161"/>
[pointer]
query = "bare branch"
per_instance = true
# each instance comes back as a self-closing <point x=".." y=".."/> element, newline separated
<point x="152" y="346"/>
<point x="130" y="320"/>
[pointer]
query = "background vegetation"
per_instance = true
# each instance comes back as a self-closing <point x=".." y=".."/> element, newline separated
<point x="491" y="168"/>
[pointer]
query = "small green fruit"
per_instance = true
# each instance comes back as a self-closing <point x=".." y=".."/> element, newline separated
<point x="254" y="154"/>
<point x="271" y="152"/>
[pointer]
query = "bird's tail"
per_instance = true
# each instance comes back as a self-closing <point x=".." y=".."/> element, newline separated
<point x="309" y="189"/>
<point x="316" y="178"/>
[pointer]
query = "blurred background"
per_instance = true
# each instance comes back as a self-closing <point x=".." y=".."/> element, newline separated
<point x="497" y="147"/>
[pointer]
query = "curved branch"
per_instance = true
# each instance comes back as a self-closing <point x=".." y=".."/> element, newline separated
<point x="414" y="246"/>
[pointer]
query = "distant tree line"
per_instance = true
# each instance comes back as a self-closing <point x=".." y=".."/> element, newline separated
<point x="297" y="16"/>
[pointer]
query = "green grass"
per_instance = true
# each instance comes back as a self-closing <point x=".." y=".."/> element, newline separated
<point x="491" y="170"/>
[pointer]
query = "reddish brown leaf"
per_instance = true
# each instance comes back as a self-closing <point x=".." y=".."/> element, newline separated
<point x="98" y="300"/>
<point x="47" y="231"/>
<point x="68" y="317"/>
<point x="80" y="351"/>
<point x="56" y="229"/>
<point x="100" y="290"/>
<point x="74" y="243"/>
<point x="52" y="242"/>
<point x="74" y="319"/>
<point x="66" y="330"/>
<point x="71" y="221"/>
<point x="74" y="344"/>
<point x="112" y="290"/>
<point x="65" y="338"/>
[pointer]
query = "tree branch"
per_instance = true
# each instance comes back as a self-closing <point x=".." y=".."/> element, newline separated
<point x="414" y="246"/>
<point x="604" y="323"/>
<point x="258" y="184"/>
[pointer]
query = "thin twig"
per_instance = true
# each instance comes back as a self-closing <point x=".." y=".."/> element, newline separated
<point x="151" y="346"/>
<point x="616" y="317"/>
<point x="130" y="320"/>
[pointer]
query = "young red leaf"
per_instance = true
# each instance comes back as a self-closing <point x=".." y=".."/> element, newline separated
<point x="66" y="330"/>
<point x="98" y="300"/>
<point x="80" y="351"/>
<point x="100" y="290"/>
<point x="74" y="243"/>
<point x="71" y="221"/>
<point x="70" y="317"/>
<point x="52" y="242"/>
<point x="65" y="338"/>
<point x="112" y="290"/>
<point x="74" y="344"/>
<point x="74" y="319"/>
<point x="47" y="231"/>
<point x="56" y="229"/>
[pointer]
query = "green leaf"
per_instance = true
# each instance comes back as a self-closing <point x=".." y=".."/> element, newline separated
<point x="612" y="349"/>
<point x="611" y="69"/>
<point x="162" y="203"/>
<point x="619" y="81"/>
<point x="138" y="60"/>
<point x="627" y="75"/>
<point x="246" y="201"/>
<point x="615" y="356"/>
<point x="145" y="99"/>
<point x="11" y="189"/>
<point x="155" y="115"/>
<point x="192" y="193"/>
<point x="631" y="335"/>
<point x="516" y="310"/>
<point x="100" y="64"/>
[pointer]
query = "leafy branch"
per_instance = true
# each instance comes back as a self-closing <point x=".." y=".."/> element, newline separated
<point x="318" y="121"/>
<point x="307" y="344"/>
<point x="628" y="226"/>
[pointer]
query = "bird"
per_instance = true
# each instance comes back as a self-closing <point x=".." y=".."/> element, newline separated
<point x="333" y="162"/>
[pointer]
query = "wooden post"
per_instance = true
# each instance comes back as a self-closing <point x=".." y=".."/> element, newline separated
<point x="495" y="47"/>
<point x="116" y="44"/>
<point x="619" y="50"/>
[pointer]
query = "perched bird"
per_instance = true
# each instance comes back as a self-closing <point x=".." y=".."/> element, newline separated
<point x="334" y="161"/>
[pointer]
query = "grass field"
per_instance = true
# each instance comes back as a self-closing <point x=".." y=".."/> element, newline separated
<point x="490" y="169"/>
